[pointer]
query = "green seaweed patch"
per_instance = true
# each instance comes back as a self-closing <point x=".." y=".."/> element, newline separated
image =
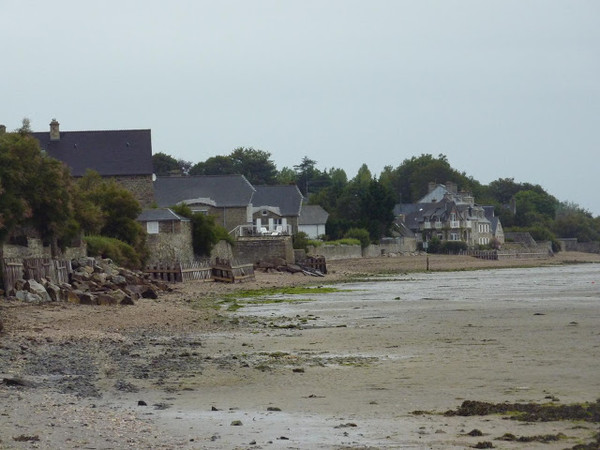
<point x="531" y="412"/>
<point x="293" y="290"/>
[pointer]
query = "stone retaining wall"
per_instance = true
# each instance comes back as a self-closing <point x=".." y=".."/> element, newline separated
<point x="250" y="250"/>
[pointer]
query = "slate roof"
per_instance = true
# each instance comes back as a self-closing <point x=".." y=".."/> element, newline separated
<point x="110" y="152"/>
<point x="287" y="198"/>
<point x="160" y="215"/>
<point x="223" y="191"/>
<point x="312" y="215"/>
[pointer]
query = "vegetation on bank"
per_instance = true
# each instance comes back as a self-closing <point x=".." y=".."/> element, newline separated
<point x="366" y="201"/>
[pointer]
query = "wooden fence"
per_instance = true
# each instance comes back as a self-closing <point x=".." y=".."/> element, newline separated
<point x="55" y="270"/>
<point x="316" y="263"/>
<point x="228" y="272"/>
<point x="174" y="272"/>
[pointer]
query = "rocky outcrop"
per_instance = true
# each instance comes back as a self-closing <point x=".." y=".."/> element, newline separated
<point x="92" y="282"/>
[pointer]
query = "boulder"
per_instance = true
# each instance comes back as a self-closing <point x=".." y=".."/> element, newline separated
<point x="105" y="299"/>
<point x="99" y="278"/>
<point x="36" y="288"/>
<point x="119" y="280"/>
<point x="148" y="292"/>
<point x="127" y="301"/>
<point x="54" y="292"/>
<point x="70" y="296"/>
<point x="26" y="296"/>
<point x="86" y="298"/>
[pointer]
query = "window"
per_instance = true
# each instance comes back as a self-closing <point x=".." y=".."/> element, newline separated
<point x="152" y="227"/>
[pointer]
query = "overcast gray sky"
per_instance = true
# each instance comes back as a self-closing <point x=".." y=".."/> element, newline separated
<point x="505" y="89"/>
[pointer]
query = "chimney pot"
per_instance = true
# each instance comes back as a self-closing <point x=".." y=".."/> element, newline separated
<point x="54" y="130"/>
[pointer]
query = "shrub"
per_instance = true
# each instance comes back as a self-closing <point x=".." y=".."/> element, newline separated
<point x="434" y="245"/>
<point x="454" y="247"/>
<point x="300" y="240"/>
<point x="359" y="233"/>
<point x="120" y="252"/>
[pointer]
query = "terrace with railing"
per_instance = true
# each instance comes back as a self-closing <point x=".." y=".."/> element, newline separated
<point x="262" y="231"/>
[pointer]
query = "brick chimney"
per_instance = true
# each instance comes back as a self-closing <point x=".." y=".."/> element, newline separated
<point x="452" y="187"/>
<point x="54" y="131"/>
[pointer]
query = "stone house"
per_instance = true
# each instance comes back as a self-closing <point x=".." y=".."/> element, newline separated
<point x="124" y="155"/>
<point x="275" y="209"/>
<point x="450" y="215"/>
<point x="228" y="198"/>
<point x="169" y="235"/>
<point x="312" y="220"/>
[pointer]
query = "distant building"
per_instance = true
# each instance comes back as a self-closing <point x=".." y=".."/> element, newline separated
<point x="312" y="221"/>
<point x="275" y="209"/>
<point x="450" y="215"/>
<point x="228" y="198"/>
<point x="124" y="155"/>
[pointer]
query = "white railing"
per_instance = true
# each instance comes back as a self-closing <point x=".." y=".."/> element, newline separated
<point x="454" y="224"/>
<point x="253" y="230"/>
<point x="427" y="225"/>
<point x="466" y="224"/>
<point x="438" y="225"/>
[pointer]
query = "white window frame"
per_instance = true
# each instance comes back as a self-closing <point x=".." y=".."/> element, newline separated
<point x="152" y="227"/>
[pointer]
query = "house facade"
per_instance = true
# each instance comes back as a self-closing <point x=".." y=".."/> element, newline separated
<point x="169" y="235"/>
<point x="312" y="221"/>
<point x="275" y="209"/>
<point x="228" y="198"/>
<point x="124" y="155"/>
<point x="449" y="215"/>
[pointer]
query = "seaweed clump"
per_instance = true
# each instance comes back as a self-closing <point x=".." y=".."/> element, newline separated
<point x="531" y="412"/>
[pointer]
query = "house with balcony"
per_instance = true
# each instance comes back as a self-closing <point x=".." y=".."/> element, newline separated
<point x="450" y="215"/>
<point x="275" y="209"/>
<point x="228" y="198"/>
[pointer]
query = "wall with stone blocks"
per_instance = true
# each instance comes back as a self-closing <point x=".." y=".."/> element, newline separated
<point x="253" y="249"/>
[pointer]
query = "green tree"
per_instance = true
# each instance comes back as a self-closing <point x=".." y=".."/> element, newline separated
<point x="411" y="179"/>
<point x="35" y="189"/>
<point x="255" y="165"/>
<point x="286" y="176"/>
<point x="165" y="165"/>
<point x="309" y="178"/>
<point x="215" y="165"/>
<point x="535" y="208"/>
<point x="111" y="210"/>
<point x="573" y="221"/>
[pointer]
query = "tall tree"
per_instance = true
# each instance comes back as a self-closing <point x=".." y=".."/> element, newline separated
<point x="35" y="189"/>
<point x="165" y="165"/>
<point x="215" y="165"/>
<point x="255" y="165"/>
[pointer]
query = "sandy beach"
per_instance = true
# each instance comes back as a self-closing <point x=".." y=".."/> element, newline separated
<point x="190" y="371"/>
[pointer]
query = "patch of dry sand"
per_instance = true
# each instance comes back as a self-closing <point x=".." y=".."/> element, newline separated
<point x="199" y="370"/>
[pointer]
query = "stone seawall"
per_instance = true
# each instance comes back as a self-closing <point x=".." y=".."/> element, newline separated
<point x="249" y="250"/>
<point x="387" y="247"/>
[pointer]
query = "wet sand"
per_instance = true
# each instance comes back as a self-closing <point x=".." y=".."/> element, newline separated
<point x="295" y="376"/>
